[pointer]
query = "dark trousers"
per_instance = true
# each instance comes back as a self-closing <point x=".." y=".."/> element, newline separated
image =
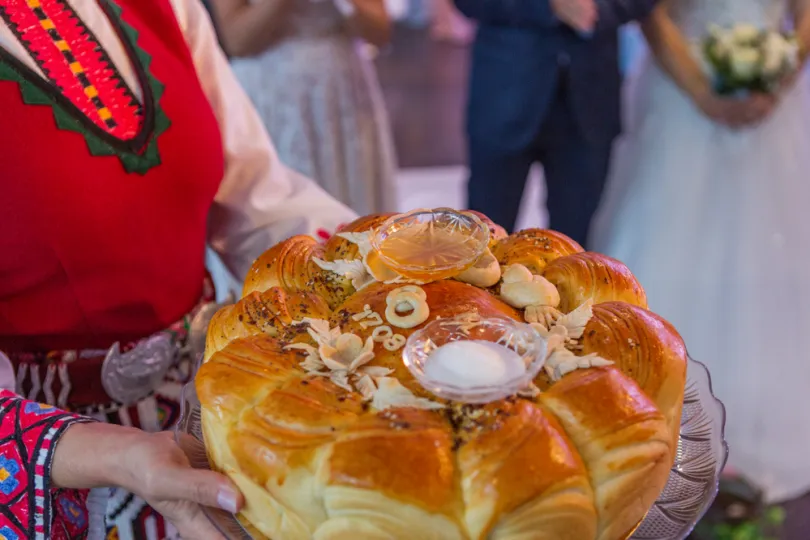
<point x="575" y="170"/>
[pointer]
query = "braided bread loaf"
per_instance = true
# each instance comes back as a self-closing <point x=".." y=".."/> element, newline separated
<point x="364" y="452"/>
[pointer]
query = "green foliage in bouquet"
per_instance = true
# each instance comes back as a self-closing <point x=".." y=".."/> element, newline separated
<point x="739" y="513"/>
<point x="745" y="59"/>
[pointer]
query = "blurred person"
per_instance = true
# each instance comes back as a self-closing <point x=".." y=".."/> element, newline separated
<point x="707" y="205"/>
<point x="449" y="25"/>
<point x="316" y="90"/>
<point x="127" y="146"/>
<point x="544" y="87"/>
<point x="632" y="48"/>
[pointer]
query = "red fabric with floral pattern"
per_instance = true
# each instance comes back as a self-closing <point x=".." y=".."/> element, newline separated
<point x="28" y="435"/>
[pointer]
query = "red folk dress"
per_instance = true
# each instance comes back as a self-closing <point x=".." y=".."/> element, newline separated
<point x="116" y="241"/>
<point x="105" y="204"/>
<point x="108" y="194"/>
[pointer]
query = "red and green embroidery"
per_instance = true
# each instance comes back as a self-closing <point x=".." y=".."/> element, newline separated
<point x="83" y="87"/>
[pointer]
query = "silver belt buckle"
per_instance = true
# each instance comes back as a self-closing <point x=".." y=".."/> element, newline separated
<point x="131" y="376"/>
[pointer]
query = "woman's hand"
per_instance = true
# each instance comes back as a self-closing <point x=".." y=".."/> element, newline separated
<point x="752" y="110"/>
<point x="152" y="466"/>
<point x="368" y="19"/>
<point x="737" y="113"/>
<point x="158" y="470"/>
<point x="788" y="82"/>
<point x="248" y="28"/>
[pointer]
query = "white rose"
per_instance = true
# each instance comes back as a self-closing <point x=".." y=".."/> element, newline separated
<point x="722" y="46"/>
<point x="745" y="62"/>
<point x="722" y="40"/>
<point x="745" y="33"/>
<point x="774" y="54"/>
<point x="792" y="53"/>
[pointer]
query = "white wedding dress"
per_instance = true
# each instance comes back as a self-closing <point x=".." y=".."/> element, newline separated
<point x="716" y="225"/>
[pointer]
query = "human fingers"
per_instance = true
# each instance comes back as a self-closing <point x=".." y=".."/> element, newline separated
<point x="583" y="15"/>
<point x="166" y="475"/>
<point x="207" y="488"/>
<point x="191" y="522"/>
<point x="734" y="113"/>
<point x="755" y="109"/>
<point x="590" y="12"/>
<point x="194" y="450"/>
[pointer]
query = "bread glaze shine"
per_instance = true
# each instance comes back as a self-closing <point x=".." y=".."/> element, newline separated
<point x="582" y="459"/>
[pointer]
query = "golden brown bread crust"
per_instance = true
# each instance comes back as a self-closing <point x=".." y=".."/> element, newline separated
<point x="584" y="460"/>
<point x="534" y="249"/>
<point x="291" y="266"/>
<point x="591" y="276"/>
<point x="644" y="347"/>
<point x="623" y="439"/>
<point x="520" y="455"/>
<point x="496" y="232"/>
<point x="270" y="312"/>
<point x="499" y="471"/>
<point x="408" y="457"/>
<point x="338" y="248"/>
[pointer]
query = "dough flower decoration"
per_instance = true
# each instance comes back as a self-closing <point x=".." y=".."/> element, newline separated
<point x="534" y="294"/>
<point x="370" y="268"/>
<point x="353" y="270"/>
<point x="485" y="273"/>
<point x="563" y="336"/>
<point x="344" y="358"/>
<point x="391" y="394"/>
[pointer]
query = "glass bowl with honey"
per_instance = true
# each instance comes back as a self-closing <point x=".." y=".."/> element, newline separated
<point x="430" y="245"/>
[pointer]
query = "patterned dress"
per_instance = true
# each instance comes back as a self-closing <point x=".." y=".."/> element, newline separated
<point x="319" y="98"/>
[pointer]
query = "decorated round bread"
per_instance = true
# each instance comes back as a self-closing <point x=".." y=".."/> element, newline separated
<point x="308" y="406"/>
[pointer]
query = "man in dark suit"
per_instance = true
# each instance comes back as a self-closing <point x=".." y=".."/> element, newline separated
<point x="544" y="87"/>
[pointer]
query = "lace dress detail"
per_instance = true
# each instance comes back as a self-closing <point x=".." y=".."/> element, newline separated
<point x="319" y="98"/>
<point x="695" y="16"/>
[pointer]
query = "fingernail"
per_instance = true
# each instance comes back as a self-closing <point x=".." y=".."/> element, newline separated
<point x="226" y="499"/>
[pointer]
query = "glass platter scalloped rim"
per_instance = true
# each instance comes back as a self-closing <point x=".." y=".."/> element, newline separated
<point x="690" y="490"/>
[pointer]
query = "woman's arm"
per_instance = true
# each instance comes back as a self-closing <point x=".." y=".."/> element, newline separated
<point x="152" y="466"/>
<point x="47" y="454"/>
<point x="676" y="58"/>
<point x="368" y="19"/>
<point x="248" y="28"/>
<point x="801" y="23"/>
<point x="260" y="201"/>
<point x="801" y="20"/>
<point x="29" y="433"/>
<point x="673" y="53"/>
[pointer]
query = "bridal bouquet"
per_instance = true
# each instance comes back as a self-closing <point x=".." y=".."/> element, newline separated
<point x="744" y="58"/>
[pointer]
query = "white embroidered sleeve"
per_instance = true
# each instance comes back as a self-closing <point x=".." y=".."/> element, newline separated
<point x="260" y="201"/>
<point x="7" y="381"/>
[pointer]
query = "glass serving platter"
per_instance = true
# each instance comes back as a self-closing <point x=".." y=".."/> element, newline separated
<point x="691" y="489"/>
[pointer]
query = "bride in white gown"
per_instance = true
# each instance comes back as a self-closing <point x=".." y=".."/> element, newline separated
<point x="709" y="205"/>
